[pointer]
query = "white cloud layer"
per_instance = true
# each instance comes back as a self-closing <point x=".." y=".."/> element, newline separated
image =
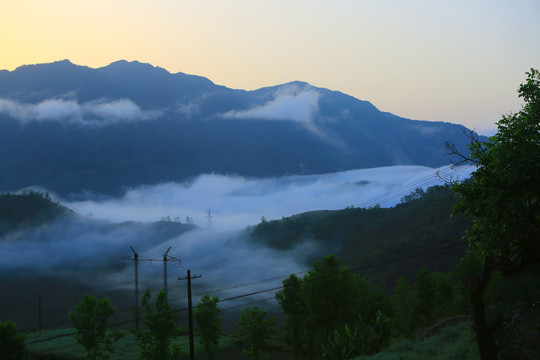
<point x="235" y="202"/>
<point x="94" y="113"/>
<point x="90" y="248"/>
<point x="290" y="103"/>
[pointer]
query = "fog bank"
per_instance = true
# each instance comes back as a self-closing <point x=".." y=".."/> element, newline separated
<point x="235" y="202"/>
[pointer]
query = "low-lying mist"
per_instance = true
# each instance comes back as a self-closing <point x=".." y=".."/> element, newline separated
<point x="205" y="223"/>
<point x="235" y="202"/>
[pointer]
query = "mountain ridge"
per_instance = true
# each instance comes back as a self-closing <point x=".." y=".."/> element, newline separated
<point x="71" y="128"/>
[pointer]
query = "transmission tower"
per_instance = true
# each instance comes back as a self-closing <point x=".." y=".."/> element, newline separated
<point x="166" y="259"/>
<point x="209" y="216"/>
<point x="136" y="258"/>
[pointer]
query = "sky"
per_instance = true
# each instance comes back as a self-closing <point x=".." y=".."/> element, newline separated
<point x="457" y="61"/>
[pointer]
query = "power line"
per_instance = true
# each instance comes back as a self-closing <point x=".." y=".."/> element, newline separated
<point x="264" y="290"/>
<point x="232" y="259"/>
<point x="407" y="188"/>
<point x="390" y="195"/>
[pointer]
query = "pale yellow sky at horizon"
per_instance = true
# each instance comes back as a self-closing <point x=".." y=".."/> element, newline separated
<point x="456" y="61"/>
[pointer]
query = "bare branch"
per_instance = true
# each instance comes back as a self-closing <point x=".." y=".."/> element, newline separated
<point x="453" y="151"/>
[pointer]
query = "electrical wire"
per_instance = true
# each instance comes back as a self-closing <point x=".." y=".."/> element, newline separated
<point x="407" y="188"/>
<point x="398" y="192"/>
<point x="354" y="270"/>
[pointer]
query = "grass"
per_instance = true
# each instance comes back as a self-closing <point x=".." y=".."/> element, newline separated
<point x="452" y="343"/>
<point x="60" y="344"/>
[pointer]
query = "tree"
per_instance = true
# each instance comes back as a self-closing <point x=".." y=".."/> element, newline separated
<point x="95" y="332"/>
<point x="325" y="300"/>
<point x="366" y="338"/>
<point x="155" y="340"/>
<point x="12" y="343"/>
<point x="423" y="296"/>
<point x="291" y="301"/>
<point x="470" y="266"/>
<point x="433" y="296"/>
<point x="255" y="329"/>
<point x="401" y="297"/>
<point x="503" y="193"/>
<point x="503" y="198"/>
<point x="332" y="296"/>
<point x="209" y="324"/>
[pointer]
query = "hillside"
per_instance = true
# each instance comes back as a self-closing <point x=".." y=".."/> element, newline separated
<point x="380" y="243"/>
<point x="71" y="129"/>
<point x="50" y="250"/>
<point x="29" y="209"/>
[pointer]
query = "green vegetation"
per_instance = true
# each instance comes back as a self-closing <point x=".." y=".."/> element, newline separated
<point x="208" y="324"/>
<point x="503" y="198"/>
<point x="30" y="208"/>
<point x="327" y="299"/>
<point x="12" y="343"/>
<point x="454" y="342"/>
<point x="255" y="329"/>
<point x="155" y="340"/>
<point x="370" y="239"/>
<point x="334" y="313"/>
<point x="63" y="345"/>
<point x="503" y="194"/>
<point x="95" y="332"/>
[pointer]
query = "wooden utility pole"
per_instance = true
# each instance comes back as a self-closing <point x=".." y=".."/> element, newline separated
<point x="135" y="258"/>
<point x="190" y="314"/>
<point x="39" y="312"/>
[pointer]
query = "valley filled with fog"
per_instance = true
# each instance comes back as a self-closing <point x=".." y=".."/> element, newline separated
<point x="205" y="222"/>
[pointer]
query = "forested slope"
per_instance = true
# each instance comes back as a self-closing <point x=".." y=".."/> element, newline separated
<point x="29" y="209"/>
<point x="380" y="243"/>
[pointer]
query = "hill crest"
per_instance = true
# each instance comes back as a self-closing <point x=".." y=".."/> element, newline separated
<point x="71" y="128"/>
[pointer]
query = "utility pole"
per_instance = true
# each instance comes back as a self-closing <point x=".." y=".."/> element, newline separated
<point x="136" y="258"/>
<point x="39" y="312"/>
<point x="166" y="259"/>
<point x="165" y="270"/>
<point x="190" y="314"/>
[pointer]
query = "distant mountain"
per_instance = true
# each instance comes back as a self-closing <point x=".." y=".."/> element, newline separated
<point x="72" y="128"/>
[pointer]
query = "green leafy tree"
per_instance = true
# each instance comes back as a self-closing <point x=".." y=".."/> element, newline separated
<point x="207" y="316"/>
<point x="343" y="344"/>
<point x="503" y="198"/>
<point x="178" y="352"/>
<point x="401" y="297"/>
<point x="95" y="332"/>
<point x="158" y="318"/>
<point x="327" y="298"/>
<point x="470" y="266"/>
<point x="293" y="305"/>
<point x="12" y="343"/>
<point x="433" y="296"/>
<point x="443" y="295"/>
<point x="366" y="338"/>
<point x="255" y="329"/>
<point x="503" y="194"/>
<point x="423" y="297"/>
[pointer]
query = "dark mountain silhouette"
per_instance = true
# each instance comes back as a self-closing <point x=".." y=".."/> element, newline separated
<point x="72" y="128"/>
